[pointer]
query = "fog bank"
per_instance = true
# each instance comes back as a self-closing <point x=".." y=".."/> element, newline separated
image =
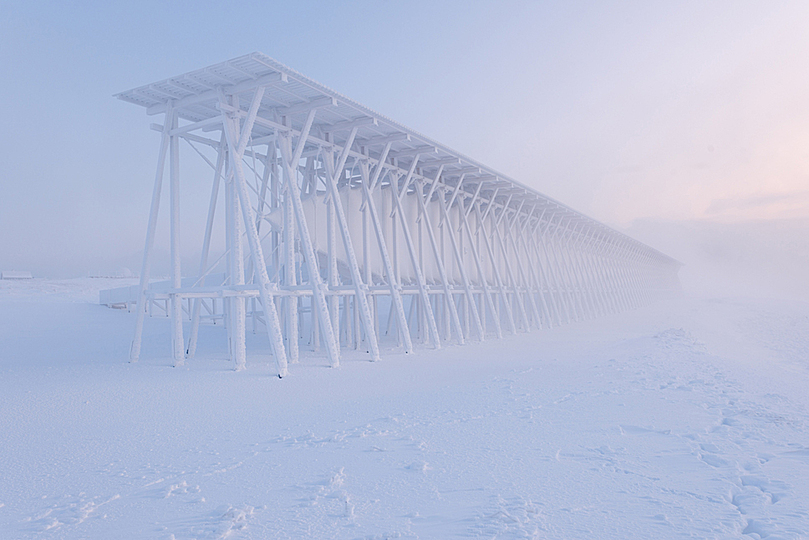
<point x="767" y="258"/>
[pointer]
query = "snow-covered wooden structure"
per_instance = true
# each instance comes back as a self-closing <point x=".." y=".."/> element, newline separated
<point x="345" y="228"/>
<point x="16" y="274"/>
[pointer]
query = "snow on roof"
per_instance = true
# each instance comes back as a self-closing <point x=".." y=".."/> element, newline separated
<point x="15" y="274"/>
<point x="195" y="97"/>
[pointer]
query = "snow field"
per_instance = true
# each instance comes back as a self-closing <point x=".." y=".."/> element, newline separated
<point x="687" y="419"/>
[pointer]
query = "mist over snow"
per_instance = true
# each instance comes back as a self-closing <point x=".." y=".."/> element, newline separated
<point x="687" y="418"/>
<point x="764" y="259"/>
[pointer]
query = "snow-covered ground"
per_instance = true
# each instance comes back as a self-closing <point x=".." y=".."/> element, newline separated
<point x="686" y="419"/>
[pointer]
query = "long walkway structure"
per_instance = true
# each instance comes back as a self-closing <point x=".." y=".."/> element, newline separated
<point x="344" y="228"/>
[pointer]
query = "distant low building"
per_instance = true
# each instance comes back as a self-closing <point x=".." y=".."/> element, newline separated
<point x="15" y="274"/>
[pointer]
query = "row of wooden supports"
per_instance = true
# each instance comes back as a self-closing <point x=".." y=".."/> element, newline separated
<point x="441" y="262"/>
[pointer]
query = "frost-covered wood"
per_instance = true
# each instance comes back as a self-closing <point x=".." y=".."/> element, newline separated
<point x="361" y="231"/>
<point x="15" y="274"/>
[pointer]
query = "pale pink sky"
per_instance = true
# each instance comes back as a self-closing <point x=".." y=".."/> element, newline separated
<point x="686" y="110"/>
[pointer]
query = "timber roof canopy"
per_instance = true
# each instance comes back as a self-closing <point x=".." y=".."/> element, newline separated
<point x="288" y="94"/>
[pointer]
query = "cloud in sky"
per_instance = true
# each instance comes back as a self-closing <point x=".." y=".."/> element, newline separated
<point x="772" y="206"/>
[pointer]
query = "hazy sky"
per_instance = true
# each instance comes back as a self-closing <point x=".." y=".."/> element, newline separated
<point x="624" y="110"/>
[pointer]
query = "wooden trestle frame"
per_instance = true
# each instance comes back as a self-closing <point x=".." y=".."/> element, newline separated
<point x="358" y="228"/>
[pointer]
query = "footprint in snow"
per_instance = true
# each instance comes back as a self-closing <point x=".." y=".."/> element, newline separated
<point x="226" y="521"/>
<point x="419" y="466"/>
<point x="637" y="430"/>
<point x="712" y="460"/>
